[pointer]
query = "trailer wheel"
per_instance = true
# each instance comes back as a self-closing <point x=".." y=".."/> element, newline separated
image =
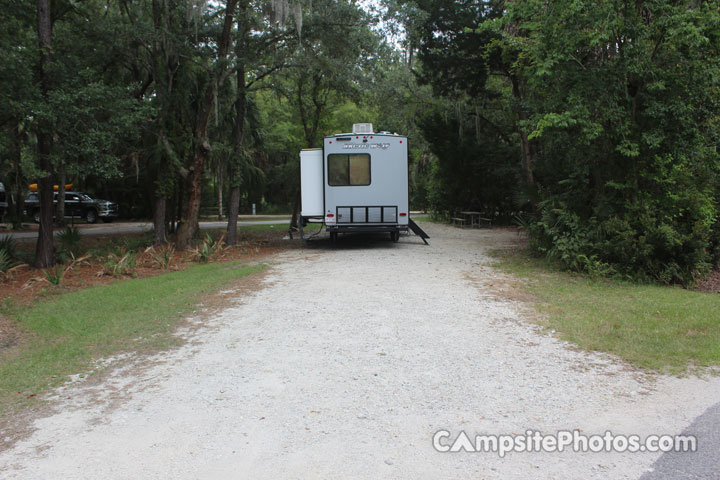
<point x="394" y="236"/>
<point x="333" y="237"/>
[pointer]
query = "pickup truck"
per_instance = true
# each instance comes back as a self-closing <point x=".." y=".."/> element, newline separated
<point x="77" y="205"/>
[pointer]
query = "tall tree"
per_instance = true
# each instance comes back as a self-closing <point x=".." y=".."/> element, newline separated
<point x="239" y="130"/>
<point x="262" y="49"/>
<point x="337" y="55"/>
<point x="201" y="141"/>
<point x="44" y="247"/>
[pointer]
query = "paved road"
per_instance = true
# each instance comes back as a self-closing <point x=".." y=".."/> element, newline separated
<point x="704" y="463"/>
<point x="124" y="228"/>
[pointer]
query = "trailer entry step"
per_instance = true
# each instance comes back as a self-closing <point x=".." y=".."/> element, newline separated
<point x="418" y="231"/>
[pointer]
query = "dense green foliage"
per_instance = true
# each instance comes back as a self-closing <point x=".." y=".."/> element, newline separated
<point x="617" y="104"/>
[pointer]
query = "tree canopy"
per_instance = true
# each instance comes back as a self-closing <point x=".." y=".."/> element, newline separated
<point x="593" y="125"/>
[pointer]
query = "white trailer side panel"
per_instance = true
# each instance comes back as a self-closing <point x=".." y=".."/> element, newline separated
<point x="311" y="182"/>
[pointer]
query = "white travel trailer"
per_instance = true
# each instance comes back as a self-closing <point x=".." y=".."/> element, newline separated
<point x="358" y="182"/>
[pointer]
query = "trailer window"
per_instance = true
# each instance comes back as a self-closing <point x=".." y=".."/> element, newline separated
<point x="347" y="170"/>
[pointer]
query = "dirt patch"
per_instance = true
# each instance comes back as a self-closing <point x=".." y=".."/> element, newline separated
<point x="9" y="334"/>
<point x="711" y="284"/>
<point x="509" y="288"/>
<point x="26" y="285"/>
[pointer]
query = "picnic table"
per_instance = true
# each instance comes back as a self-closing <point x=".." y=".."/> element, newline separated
<point x="475" y="219"/>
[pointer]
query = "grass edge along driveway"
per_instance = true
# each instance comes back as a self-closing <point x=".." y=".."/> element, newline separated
<point x="63" y="335"/>
<point x="661" y="328"/>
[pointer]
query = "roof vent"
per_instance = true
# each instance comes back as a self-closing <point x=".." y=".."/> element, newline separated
<point x="362" y="128"/>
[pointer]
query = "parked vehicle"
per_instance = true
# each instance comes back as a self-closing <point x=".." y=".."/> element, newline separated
<point x="77" y="205"/>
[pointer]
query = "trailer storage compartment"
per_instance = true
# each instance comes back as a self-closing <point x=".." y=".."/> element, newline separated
<point x="311" y="182"/>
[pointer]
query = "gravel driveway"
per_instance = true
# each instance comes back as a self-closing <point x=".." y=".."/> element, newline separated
<point x="344" y="366"/>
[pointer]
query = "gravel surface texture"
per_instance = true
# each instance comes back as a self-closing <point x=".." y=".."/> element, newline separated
<point x="344" y="366"/>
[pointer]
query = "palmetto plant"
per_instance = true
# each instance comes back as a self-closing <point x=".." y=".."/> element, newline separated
<point x="163" y="256"/>
<point x="55" y="275"/>
<point x="8" y="257"/>
<point x="69" y="239"/>
<point x="8" y="243"/>
<point x="117" y="266"/>
<point x="204" y="252"/>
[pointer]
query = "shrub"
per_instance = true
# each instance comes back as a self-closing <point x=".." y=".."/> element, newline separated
<point x="9" y="246"/>
<point x="207" y="248"/>
<point x="162" y="257"/>
<point x="54" y="275"/>
<point x="117" y="266"/>
<point x="68" y="242"/>
<point x="5" y="261"/>
<point x="644" y="242"/>
<point x="8" y="255"/>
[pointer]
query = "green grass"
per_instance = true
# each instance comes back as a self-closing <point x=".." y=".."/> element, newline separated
<point x="65" y="333"/>
<point x="661" y="328"/>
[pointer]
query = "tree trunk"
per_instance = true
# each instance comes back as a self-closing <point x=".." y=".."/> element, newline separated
<point x="219" y="188"/>
<point x="60" y="210"/>
<point x="202" y="143"/>
<point x="239" y="134"/>
<point x="231" y="238"/>
<point x="159" y="220"/>
<point x="296" y="207"/>
<point x="526" y="156"/>
<point x="177" y="220"/>
<point x="17" y="188"/>
<point x="44" y="248"/>
<point x="189" y="225"/>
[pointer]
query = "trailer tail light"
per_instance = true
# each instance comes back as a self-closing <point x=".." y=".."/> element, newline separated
<point x="403" y="214"/>
<point x="330" y="215"/>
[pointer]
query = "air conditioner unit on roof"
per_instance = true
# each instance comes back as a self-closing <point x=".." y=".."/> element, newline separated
<point x="362" y="128"/>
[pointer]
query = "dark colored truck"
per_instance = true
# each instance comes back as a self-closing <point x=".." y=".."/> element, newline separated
<point x="77" y="205"/>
